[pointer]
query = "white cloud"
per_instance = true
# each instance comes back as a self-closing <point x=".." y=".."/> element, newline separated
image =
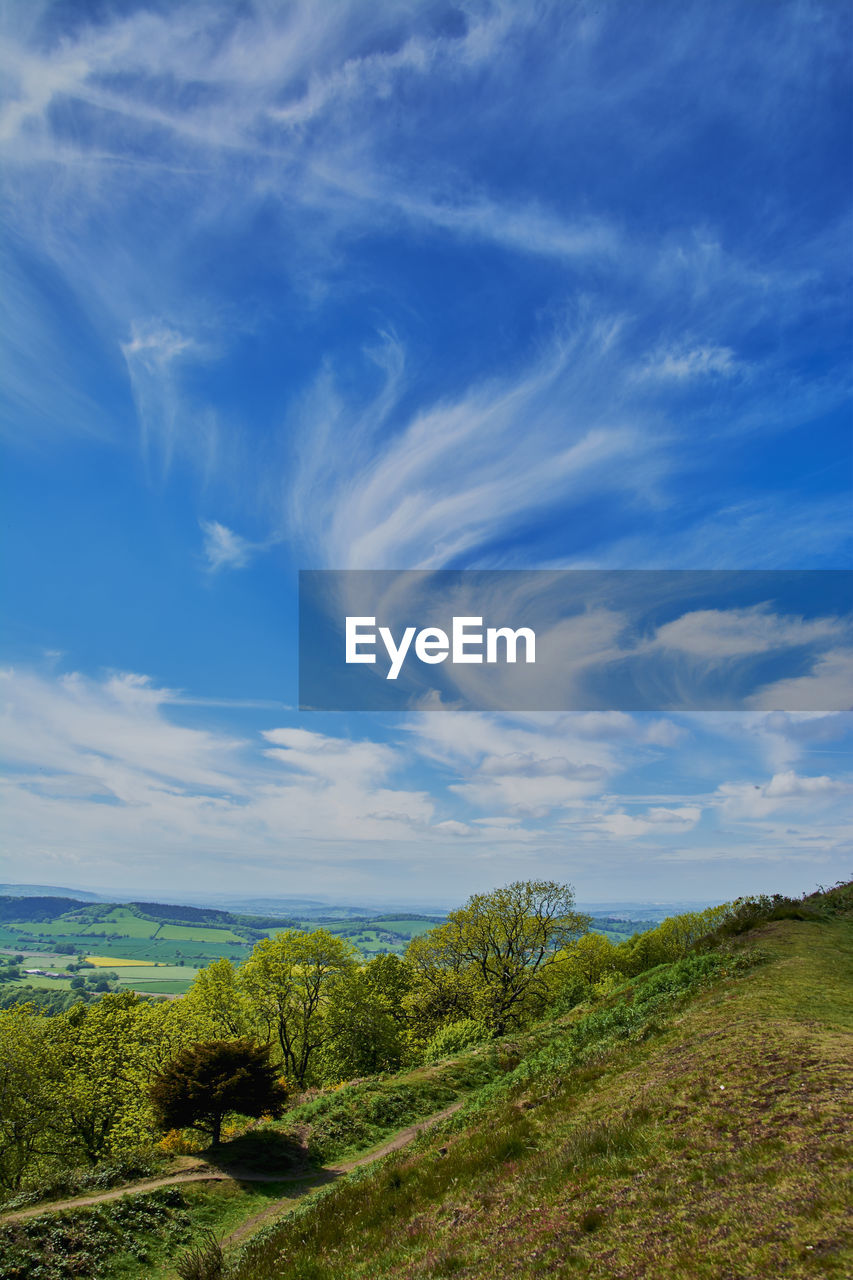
<point x="788" y="784"/>
<point x="734" y="633"/>
<point x="683" y="364"/>
<point x="786" y="792"/>
<point x="462" y="472"/>
<point x="102" y="764"/>
<point x="828" y="686"/>
<point x="655" y="821"/>
<point x="453" y="828"/>
<point x="224" y="548"/>
<point x="533" y="766"/>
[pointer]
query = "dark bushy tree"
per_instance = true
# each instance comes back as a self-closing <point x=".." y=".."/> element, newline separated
<point x="203" y="1083"/>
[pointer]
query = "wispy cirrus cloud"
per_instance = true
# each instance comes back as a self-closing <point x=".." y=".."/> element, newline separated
<point x="405" y="284"/>
<point x="177" y="132"/>
<point x="224" y="548"/>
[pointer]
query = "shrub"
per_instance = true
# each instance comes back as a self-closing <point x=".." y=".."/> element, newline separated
<point x="454" y="1037"/>
<point x="72" y="1182"/>
<point x="203" y="1261"/>
<point x="82" y="1244"/>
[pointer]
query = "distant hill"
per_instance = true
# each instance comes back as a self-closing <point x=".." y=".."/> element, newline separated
<point x="33" y="908"/>
<point x="48" y="891"/>
<point x="176" y="934"/>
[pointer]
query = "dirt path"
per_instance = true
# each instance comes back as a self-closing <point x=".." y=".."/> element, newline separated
<point x="330" y="1171"/>
<point x="204" y="1173"/>
<point x="150" y="1184"/>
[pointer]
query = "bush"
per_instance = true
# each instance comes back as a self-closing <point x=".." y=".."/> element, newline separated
<point x="82" y="1244"/>
<point x="74" y="1182"/>
<point x="454" y="1037"/>
<point x="749" y="913"/>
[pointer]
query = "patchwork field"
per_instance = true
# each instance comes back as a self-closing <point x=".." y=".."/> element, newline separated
<point x="158" y="949"/>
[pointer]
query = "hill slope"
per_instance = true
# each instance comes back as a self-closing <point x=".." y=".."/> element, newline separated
<point x="706" y="1142"/>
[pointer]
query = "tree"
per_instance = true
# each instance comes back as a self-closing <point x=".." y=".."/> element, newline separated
<point x="203" y="1083"/>
<point x="29" y="1074"/>
<point x="590" y="958"/>
<point x="361" y="1036"/>
<point x="216" y="999"/>
<point x="498" y="950"/>
<point x="105" y="1064"/>
<point x="287" y="979"/>
<point x="389" y="976"/>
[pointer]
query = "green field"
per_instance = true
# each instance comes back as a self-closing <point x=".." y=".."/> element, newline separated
<point x="191" y="933"/>
<point x="66" y="929"/>
<point x="163" y="938"/>
<point x="408" y="928"/>
<point x="163" y="973"/>
<point x="167" y="988"/>
<point x="125" y="923"/>
<point x="42" y="984"/>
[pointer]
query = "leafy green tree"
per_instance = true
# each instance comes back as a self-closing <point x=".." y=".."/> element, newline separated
<point x="389" y="976"/>
<point x="492" y="958"/>
<point x="590" y="958"/>
<point x="29" y="1077"/>
<point x="287" y="980"/>
<point x="207" y="1081"/>
<point x="216" y="998"/>
<point x="105" y="1056"/>
<point x="361" y="1034"/>
<point x="443" y="990"/>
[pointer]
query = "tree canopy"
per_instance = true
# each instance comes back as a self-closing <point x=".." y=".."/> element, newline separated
<point x="489" y="960"/>
<point x="287" y="979"/>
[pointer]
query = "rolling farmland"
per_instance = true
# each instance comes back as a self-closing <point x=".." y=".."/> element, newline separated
<point x="157" y="949"/>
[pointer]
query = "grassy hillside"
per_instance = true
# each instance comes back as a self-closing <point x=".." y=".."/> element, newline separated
<point x="704" y="1137"/>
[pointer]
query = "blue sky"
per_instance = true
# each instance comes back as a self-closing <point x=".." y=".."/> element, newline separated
<point x="406" y="285"/>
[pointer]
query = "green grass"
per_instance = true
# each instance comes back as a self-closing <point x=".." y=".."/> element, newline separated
<point x="220" y="1208"/>
<point x="112" y="1239"/>
<point x="142" y="1234"/>
<point x="42" y="984"/>
<point x="705" y="1140"/>
<point x="121" y="922"/>
<point x="356" y="1117"/>
<point x="68" y="930"/>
